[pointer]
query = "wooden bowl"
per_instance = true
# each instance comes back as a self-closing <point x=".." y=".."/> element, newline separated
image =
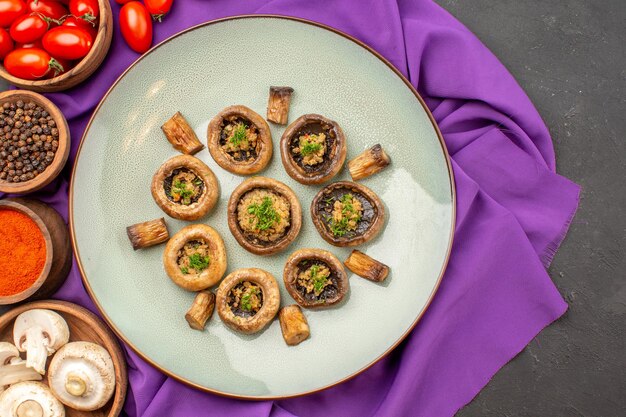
<point x="85" y="67"/>
<point x="60" y="158"/>
<point x="58" y="249"/>
<point x="84" y="326"/>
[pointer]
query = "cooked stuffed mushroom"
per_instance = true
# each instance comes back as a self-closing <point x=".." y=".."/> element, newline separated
<point x="315" y="278"/>
<point x="264" y="215"/>
<point x="195" y="257"/>
<point x="185" y="188"/>
<point x="240" y="140"/>
<point x="347" y="214"/>
<point x="248" y="299"/>
<point x="313" y="149"/>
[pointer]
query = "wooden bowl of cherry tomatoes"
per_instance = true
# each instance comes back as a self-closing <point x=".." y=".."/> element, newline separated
<point x="53" y="45"/>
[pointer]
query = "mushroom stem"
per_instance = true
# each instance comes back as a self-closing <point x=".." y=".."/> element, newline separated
<point x="366" y="266"/>
<point x="146" y="234"/>
<point x="36" y="350"/>
<point x="29" y="408"/>
<point x="75" y="384"/>
<point x="201" y="310"/>
<point x="369" y="162"/>
<point x="278" y="104"/>
<point x="293" y="325"/>
<point x="181" y="135"/>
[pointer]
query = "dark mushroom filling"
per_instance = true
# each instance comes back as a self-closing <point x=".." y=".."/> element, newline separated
<point x="263" y="216"/>
<point x="245" y="299"/>
<point x="311" y="146"/>
<point x="239" y="138"/>
<point x="316" y="281"/>
<point x="183" y="186"/>
<point x="193" y="257"/>
<point x="346" y="213"/>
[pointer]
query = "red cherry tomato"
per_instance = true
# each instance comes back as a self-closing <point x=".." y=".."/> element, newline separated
<point x="158" y="8"/>
<point x="30" y="64"/>
<point x="136" y="26"/>
<point x="49" y="8"/>
<point x="67" y="42"/>
<point x="84" y="7"/>
<point x="122" y="1"/>
<point x="29" y="28"/>
<point x="6" y="43"/>
<point x="11" y="10"/>
<point x="81" y="22"/>
<point x="36" y="45"/>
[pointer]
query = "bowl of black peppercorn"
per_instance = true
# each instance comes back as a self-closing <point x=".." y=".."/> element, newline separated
<point x="34" y="141"/>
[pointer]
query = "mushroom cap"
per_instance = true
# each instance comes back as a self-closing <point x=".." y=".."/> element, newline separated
<point x="373" y="217"/>
<point x="292" y="270"/>
<point x="52" y="325"/>
<point x="264" y="137"/>
<point x="27" y="399"/>
<point x="8" y="351"/>
<point x="217" y="254"/>
<point x="82" y="376"/>
<point x="13" y="368"/>
<point x="334" y="157"/>
<point x="264" y="183"/>
<point x="271" y="300"/>
<point x="195" y="210"/>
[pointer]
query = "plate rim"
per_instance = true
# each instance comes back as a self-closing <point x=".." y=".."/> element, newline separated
<point x="179" y="378"/>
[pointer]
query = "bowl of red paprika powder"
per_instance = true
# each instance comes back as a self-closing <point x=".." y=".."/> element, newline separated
<point x="35" y="251"/>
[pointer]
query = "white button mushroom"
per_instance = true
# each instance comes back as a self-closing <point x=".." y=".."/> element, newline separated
<point x="12" y="368"/>
<point x="81" y="375"/>
<point x="30" y="399"/>
<point x="40" y="333"/>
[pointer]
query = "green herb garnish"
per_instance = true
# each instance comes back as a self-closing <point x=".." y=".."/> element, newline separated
<point x="184" y="270"/>
<point x="198" y="262"/>
<point x="246" y="303"/>
<point x="346" y="200"/>
<point x="239" y="135"/>
<point x="319" y="281"/>
<point x="307" y="148"/>
<point x="265" y="214"/>
<point x="181" y="189"/>
<point x="340" y="228"/>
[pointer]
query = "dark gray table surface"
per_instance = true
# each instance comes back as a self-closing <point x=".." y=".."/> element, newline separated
<point x="570" y="57"/>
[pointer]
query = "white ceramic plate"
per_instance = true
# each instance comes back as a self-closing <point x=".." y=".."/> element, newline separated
<point x="234" y="61"/>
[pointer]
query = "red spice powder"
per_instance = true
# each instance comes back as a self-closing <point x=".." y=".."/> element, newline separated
<point x="22" y="252"/>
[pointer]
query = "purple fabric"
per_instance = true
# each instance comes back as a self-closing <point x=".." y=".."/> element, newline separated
<point x="513" y="210"/>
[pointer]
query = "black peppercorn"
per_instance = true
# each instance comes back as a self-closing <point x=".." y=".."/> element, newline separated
<point x="28" y="140"/>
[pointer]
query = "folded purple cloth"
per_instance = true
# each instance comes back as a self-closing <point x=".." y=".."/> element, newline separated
<point x="513" y="211"/>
